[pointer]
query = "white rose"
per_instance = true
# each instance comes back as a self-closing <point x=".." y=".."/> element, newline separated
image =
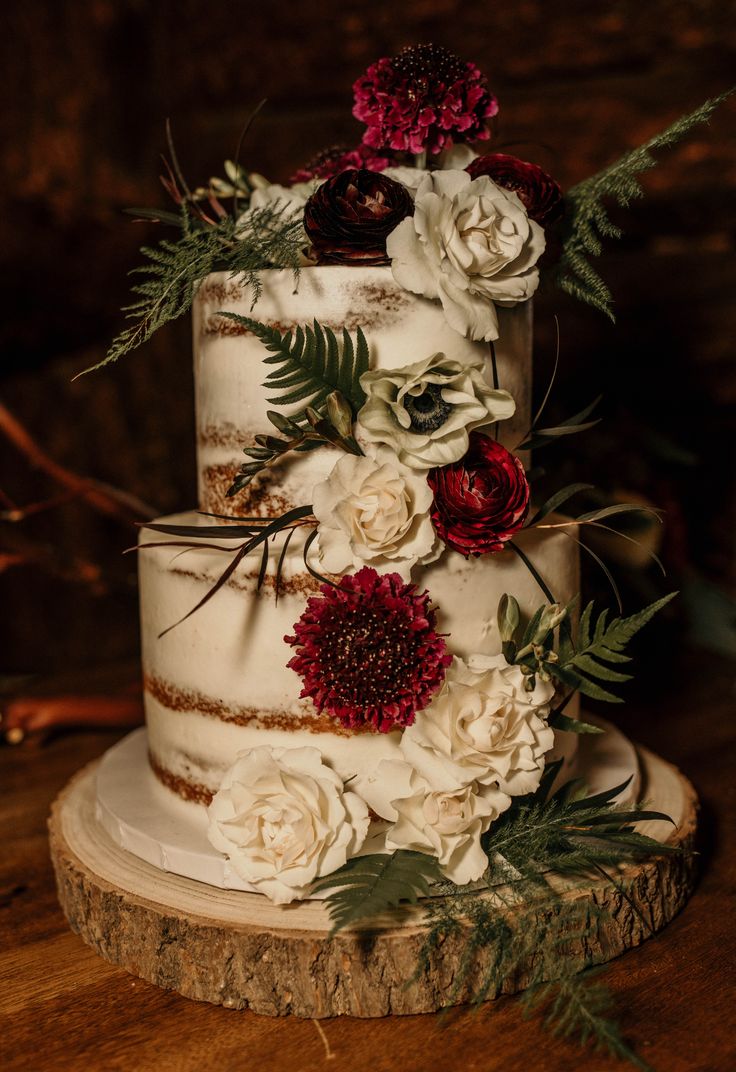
<point x="283" y="819"/>
<point x="483" y="727"/>
<point x="374" y="511"/>
<point x="447" y="825"/>
<point x="469" y="244"/>
<point x="410" y="177"/>
<point x="425" y="411"/>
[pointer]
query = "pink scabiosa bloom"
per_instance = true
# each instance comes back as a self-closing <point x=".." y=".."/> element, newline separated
<point x="368" y="652"/>
<point x="338" y="158"/>
<point x="423" y="100"/>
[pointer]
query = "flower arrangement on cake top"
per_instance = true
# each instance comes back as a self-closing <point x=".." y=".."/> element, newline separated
<point x="418" y="478"/>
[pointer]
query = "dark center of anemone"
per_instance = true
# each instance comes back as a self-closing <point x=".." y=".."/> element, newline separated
<point x="366" y="656"/>
<point x="427" y="411"/>
<point x="430" y="63"/>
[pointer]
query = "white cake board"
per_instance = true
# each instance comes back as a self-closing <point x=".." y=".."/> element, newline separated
<point x="145" y="818"/>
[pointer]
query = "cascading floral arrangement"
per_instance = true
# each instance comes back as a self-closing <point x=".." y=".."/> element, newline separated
<point x="420" y="473"/>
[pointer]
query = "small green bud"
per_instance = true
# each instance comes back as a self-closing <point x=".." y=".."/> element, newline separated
<point x="509" y="617"/>
<point x="313" y="416"/>
<point x="551" y="617"/>
<point x="340" y="413"/>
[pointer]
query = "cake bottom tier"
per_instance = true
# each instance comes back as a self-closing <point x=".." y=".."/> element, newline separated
<point x="218" y="683"/>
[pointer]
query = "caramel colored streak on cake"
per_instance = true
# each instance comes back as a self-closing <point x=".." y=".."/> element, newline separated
<point x="301" y="585"/>
<point x="193" y="791"/>
<point x="257" y="499"/>
<point x="378" y="306"/>
<point x="176" y="699"/>
<point x="225" y="436"/>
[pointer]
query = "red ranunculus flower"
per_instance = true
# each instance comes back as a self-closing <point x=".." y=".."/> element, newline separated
<point x="540" y="195"/>
<point x="480" y="501"/>
<point x="424" y="99"/>
<point x="368" y="652"/>
<point x="349" y="217"/>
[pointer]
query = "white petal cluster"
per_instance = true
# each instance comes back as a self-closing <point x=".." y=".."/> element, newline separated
<point x="283" y="818"/>
<point x="424" y="411"/>
<point x="483" y="727"/>
<point x="470" y="245"/>
<point x="374" y="511"/>
<point x="447" y="825"/>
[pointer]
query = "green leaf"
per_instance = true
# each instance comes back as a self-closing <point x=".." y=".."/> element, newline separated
<point x="310" y="363"/>
<point x="586" y="222"/>
<point x="172" y="272"/>
<point x="556" y="500"/>
<point x="574" y="725"/>
<point x="367" y="886"/>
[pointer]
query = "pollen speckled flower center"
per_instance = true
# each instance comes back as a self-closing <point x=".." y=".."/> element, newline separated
<point x="379" y="643"/>
<point x="367" y="651"/>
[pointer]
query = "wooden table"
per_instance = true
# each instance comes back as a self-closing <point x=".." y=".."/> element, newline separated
<point x="62" y="1007"/>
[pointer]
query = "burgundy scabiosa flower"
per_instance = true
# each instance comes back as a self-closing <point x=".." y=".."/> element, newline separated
<point x="349" y="217"/>
<point x="368" y="652"/>
<point x="538" y="192"/>
<point x="337" y="158"/>
<point x="480" y="501"/>
<point x="424" y="99"/>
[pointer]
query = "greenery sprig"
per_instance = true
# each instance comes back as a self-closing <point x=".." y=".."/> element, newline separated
<point x="578" y="664"/>
<point x="312" y="367"/>
<point x="527" y="925"/>
<point x="587" y="222"/>
<point x="268" y="237"/>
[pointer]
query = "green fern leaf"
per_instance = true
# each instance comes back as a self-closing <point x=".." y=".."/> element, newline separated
<point x="311" y="363"/>
<point x="367" y="886"/>
<point x="167" y="282"/>
<point x="587" y="221"/>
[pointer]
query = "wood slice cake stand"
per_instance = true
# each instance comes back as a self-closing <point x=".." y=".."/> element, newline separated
<point x="236" y="949"/>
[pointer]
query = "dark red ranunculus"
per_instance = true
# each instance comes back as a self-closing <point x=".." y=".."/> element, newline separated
<point x="538" y="191"/>
<point x="480" y="501"/>
<point x="349" y="217"/>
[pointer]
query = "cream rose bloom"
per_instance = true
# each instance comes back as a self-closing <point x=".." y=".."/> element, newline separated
<point x="424" y="411"/>
<point x="374" y="511"/>
<point x="447" y="825"/>
<point x="471" y="245"/>
<point x="283" y="819"/>
<point x="483" y="727"/>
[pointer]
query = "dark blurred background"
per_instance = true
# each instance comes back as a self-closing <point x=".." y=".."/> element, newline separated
<point x="87" y="88"/>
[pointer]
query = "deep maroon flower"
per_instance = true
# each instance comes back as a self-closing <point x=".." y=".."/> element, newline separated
<point x="339" y="158"/>
<point x="480" y="501"/>
<point x="540" y="195"/>
<point x="349" y="217"/>
<point x="424" y="99"/>
<point x="368" y="652"/>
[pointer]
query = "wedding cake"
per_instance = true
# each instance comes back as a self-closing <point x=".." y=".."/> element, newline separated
<point x="369" y="637"/>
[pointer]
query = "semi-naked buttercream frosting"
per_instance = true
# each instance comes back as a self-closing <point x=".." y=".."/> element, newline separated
<point x="218" y="683"/>
<point x="401" y="328"/>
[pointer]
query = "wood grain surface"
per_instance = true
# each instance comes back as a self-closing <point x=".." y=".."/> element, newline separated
<point x="62" y="1007"/>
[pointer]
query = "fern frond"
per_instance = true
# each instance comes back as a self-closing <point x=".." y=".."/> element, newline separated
<point x="168" y="281"/>
<point x="367" y="886"/>
<point x="587" y="222"/>
<point x="311" y="363"/>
